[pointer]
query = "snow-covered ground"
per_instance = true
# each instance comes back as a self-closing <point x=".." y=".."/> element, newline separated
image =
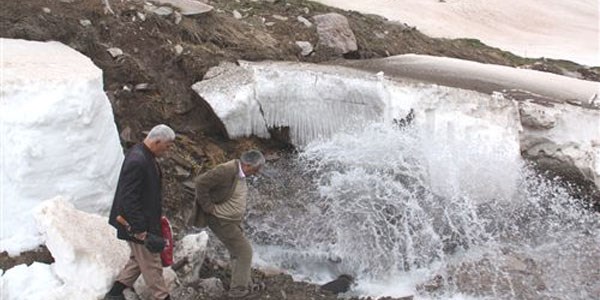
<point x="58" y="136"/>
<point x="532" y="28"/>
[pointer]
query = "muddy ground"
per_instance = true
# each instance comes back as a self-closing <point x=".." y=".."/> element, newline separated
<point x="151" y="82"/>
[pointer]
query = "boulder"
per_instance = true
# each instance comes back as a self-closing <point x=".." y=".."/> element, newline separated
<point x="187" y="7"/>
<point x="191" y="249"/>
<point x="306" y="47"/>
<point x="563" y="138"/>
<point x="334" y="32"/>
<point x="83" y="245"/>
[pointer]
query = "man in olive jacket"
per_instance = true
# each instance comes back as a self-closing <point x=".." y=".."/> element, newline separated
<point x="221" y="199"/>
<point x="136" y="213"/>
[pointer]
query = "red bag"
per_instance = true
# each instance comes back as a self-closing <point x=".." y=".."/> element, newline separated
<point x="166" y="256"/>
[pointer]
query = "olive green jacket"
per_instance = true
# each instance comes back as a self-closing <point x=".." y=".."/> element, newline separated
<point x="214" y="187"/>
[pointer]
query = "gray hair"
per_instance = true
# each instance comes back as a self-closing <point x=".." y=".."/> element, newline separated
<point x="253" y="158"/>
<point x="161" y="132"/>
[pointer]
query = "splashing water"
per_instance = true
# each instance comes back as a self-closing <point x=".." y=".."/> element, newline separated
<point x="410" y="211"/>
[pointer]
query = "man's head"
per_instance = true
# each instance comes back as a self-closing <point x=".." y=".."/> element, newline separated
<point x="252" y="162"/>
<point x="160" y="139"/>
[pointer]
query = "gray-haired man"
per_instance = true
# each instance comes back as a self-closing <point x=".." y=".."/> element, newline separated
<point x="136" y="213"/>
<point x="221" y="196"/>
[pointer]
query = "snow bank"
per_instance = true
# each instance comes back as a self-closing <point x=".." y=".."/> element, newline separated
<point x="36" y="282"/>
<point x="88" y="256"/>
<point x="533" y="28"/>
<point x="58" y="136"/>
<point x="480" y="76"/>
<point x="315" y="101"/>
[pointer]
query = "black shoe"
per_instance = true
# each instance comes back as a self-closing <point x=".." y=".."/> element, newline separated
<point x="113" y="297"/>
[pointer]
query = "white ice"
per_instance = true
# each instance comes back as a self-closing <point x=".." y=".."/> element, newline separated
<point x="58" y="136"/>
<point x="315" y="101"/>
<point x="87" y="254"/>
<point x="534" y="28"/>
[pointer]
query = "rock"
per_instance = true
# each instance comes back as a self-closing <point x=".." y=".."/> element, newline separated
<point x="304" y="21"/>
<point x="269" y="24"/>
<point x="142" y="289"/>
<point x="144" y="86"/>
<point x="85" y="22"/>
<point x="340" y="285"/>
<point x="271" y="1"/>
<point x="213" y="287"/>
<point x="181" y="172"/>
<point x="163" y="11"/>
<point x="187" y="7"/>
<point x="537" y="116"/>
<point x="127" y="135"/>
<point x="141" y="16"/>
<point x="47" y="10"/>
<point x="82" y="245"/>
<point x="115" y="52"/>
<point x="178" y="49"/>
<point x="236" y="14"/>
<point x="564" y="138"/>
<point x="191" y="248"/>
<point x="334" y="32"/>
<point x="177" y="17"/>
<point x="280" y="17"/>
<point x="306" y="47"/>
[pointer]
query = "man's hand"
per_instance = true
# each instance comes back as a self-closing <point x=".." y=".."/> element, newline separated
<point x="141" y="236"/>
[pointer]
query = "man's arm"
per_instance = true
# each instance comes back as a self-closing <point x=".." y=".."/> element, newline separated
<point x="204" y="183"/>
<point x="131" y="196"/>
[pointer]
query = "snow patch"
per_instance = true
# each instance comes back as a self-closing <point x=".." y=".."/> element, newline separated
<point x="34" y="282"/>
<point x="87" y="254"/>
<point x="58" y="136"/>
<point x="533" y="28"/>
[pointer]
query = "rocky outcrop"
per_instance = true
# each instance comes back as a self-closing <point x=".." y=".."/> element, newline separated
<point x="334" y="32"/>
<point x="563" y="138"/>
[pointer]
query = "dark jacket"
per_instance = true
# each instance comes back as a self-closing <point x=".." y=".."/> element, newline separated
<point x="138" y="197"/>
<point x="214" y="187"/>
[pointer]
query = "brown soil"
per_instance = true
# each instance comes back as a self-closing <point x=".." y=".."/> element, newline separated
<point x="150" y="58"/>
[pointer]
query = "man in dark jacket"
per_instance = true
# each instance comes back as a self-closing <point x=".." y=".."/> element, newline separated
<point x="221" y="201"/>
<point x="136" y="213"/>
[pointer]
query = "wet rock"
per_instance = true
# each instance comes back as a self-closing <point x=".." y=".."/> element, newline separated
<point x="340" y="285"/>
<point x="334" y="32"/>
<point x="536" y="116"/>
<point x="306" y="47"/>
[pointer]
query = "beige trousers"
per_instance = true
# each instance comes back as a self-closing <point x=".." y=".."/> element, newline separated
<point x="142" y="261"/>
<point x="240" y="251"/>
